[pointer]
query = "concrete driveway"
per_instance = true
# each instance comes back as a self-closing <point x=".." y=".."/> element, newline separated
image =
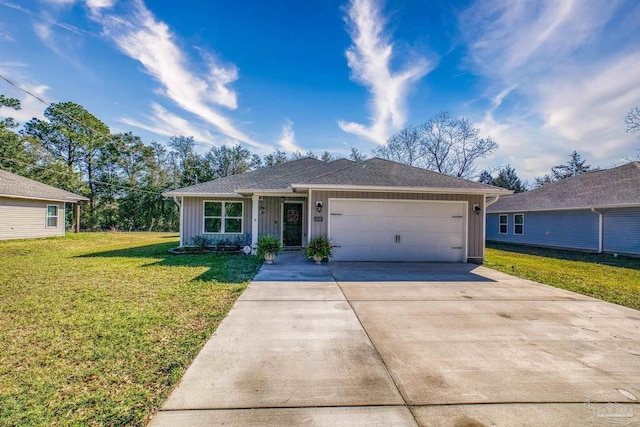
<point x="377" y="344"/>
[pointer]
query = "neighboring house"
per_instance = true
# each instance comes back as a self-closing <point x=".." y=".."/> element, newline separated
<point x="30" y="209"/>
<point x="596" y="211"/>
<point x="375" y="210"/>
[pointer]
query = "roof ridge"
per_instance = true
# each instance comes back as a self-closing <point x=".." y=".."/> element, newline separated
<point x="330" y="172"/>
<point x="316" y="166"/>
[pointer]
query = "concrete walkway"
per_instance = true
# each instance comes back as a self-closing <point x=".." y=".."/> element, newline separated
<point x="410" y="344"/>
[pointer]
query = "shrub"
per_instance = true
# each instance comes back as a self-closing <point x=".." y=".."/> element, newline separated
<point x="320" y="246"/>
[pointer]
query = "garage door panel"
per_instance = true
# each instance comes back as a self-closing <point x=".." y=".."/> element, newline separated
<point x="431" y="239"/>
<point x="365" y="230"/>
<point x="397" y="224"/>
<point x="397" y="208"/>
<point x="372" y="253"/>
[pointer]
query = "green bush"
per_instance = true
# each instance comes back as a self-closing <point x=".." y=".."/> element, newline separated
<point x="269" y="245"/>
<point x="320" y="246"/>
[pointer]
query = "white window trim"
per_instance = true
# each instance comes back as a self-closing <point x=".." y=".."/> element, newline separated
<point x="514" y="224"/>
<point x="56" y="216"/>
<point x="500" y="224"/>
<point x="222" y="217"/>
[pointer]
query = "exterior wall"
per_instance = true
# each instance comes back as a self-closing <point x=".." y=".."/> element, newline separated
<point x="561" y="229"/>
<point x="193" y="219"/>
<point x="269" y="221"/>
<point x="621" y="231"/>
<point x="23" y="219"/>
<point x="475" y="231"/>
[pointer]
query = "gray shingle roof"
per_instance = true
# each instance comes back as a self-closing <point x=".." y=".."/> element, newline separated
<point x="376" y="172"/>
<point x="609" y="187"/>
<point x="266" y="178"/>
<point x="16" y="186"/>
<point x="310" y="172"/>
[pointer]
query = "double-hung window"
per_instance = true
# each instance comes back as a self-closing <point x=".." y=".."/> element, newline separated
<point x="52" y="216"/>
<point x="518" y="224"/>
<point x="223" y="217"/>
<point x="504" y="224"/>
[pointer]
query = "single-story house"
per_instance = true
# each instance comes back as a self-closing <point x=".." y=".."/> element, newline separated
<point x="375" y="210"/>
<point x="30" y="209"/>
<point x="597" y="211"/>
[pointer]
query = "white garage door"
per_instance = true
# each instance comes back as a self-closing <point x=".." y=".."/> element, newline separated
<point x="375" y="230"/>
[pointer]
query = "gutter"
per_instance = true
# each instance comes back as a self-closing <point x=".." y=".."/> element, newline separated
<point x="398" y="189"/>
<point x="600" y="228"/>
<point x="492" y="201"/>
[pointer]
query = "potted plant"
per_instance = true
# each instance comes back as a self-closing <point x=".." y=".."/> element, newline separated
<point x="319" y="249"/>
<point x="268" y="248"/>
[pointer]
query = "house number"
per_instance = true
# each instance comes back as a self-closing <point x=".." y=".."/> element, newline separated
<point x="317" y="218"/>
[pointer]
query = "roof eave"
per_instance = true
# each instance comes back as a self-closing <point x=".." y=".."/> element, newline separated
<point x="203" y="194"/>
<point x="47" y="199"/>
<point x="499" y="191"/>
<point x="574" y="208"/>
<point x="264" y="190"/>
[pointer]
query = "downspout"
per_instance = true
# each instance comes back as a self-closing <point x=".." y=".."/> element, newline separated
<point x="600" y="228"/>
<point x="178" y="201"/>
<point x="487" y="203"/>
<point x="490" y="202"/>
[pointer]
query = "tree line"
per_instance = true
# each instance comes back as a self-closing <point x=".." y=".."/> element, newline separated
<point x="123" y="177"/>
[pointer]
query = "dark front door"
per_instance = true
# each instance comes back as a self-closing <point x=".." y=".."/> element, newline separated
<point x="292" y="224"/>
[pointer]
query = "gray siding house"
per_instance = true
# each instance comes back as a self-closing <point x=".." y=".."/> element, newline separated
<point x="31" y="209"/>
<point x="598" y="211"/>
<point x="375" y="210"/>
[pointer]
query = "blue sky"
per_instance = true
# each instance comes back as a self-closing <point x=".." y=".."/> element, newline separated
<point x="541" y="77"/>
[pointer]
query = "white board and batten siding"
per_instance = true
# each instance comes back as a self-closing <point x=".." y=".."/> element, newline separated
<point x="193" y="219"/>
<point x="25" y="219"/>
<point x="399" y="230"/>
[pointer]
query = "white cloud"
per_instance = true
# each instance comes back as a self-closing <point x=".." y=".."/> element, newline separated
<point x="554" y="83"/>
<point x="142" y="37"/>
<point x="369" y="59"/>
<point x="162" y="122"/>
<point x="287" y="140"/>
<point x="95" y="5"/>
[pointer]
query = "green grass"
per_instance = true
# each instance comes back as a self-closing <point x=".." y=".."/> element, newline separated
<point x="601" y="276"/>
<point x="96" y="328"/>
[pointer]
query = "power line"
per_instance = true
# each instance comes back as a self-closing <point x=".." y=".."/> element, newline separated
<point x="48" y="104"/>
<point x="68" y="174"/>
<point x="21" y="88"/>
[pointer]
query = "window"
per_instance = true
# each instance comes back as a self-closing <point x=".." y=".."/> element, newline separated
<point x="52" y="216"/>
<point x="518" y="224"/>
<point x="223" y="217"/>
<point x="503" y="224"/>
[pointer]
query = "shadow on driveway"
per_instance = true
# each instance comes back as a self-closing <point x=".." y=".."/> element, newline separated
<point x="405" y="272"/>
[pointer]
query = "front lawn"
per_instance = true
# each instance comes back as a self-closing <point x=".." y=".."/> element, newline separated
<point x="96" y="328"/>
<point x="601" y="276"/>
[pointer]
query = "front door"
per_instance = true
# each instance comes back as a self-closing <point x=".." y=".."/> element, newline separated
<point x="292" y="224"/>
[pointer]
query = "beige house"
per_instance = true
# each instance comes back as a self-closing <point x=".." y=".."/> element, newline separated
<point x="375" y="210"/>
<point x="31" y="209"/>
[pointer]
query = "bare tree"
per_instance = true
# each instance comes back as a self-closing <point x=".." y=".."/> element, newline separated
<point x="404" y="147"/>
<point x="357" y="155"/>
<point x="632" y="120"/>
<point x="443" y="144"/>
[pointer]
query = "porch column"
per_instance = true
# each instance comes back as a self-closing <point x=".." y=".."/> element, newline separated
<point x="255" y="209"/>
<point x="77" y="217"/>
